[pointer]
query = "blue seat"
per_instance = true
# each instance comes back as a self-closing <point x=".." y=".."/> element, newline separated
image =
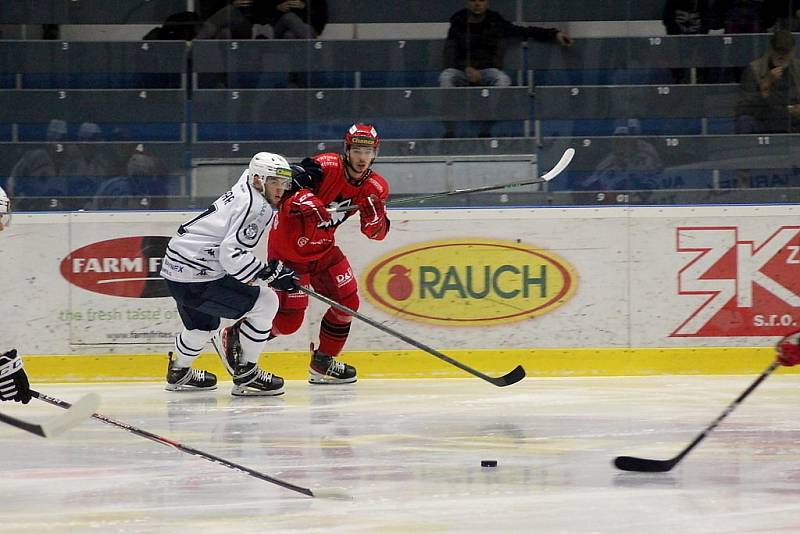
<point x="274" y="80"/>
<point x="602" y="76"/>
<point x="112" y="131"/>
<point x="104" y="80"/>
<point x="671" y="126"/>
<point x="721" y="126"/>
<point x="577" y="128"/>
<point x="400" y="79"/>
<point x="253" y="131"/>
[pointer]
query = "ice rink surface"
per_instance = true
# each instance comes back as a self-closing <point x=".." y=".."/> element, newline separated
<point x="409" y="453"/>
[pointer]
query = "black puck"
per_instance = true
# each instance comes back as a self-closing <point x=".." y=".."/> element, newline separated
<point x="488" y="463"/>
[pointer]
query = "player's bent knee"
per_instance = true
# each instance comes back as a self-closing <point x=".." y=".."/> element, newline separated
<point x="265" y="305"/>
<point x="351" y="301"/>
<point x="287" y="322"/>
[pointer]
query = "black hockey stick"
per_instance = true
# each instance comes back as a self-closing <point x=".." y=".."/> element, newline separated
<point x="330" y="493"/>
<point x="80" y="411"/>
<point x="559" y="167"/>
<point x="512" y="377"/>
<point x="630" y="463"/>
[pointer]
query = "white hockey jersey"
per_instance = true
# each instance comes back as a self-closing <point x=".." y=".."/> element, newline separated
<point x="220" y="240"/>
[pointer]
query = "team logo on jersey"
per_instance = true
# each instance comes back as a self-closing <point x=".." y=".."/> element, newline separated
<point x="344" y="278"/>
<point x="251" y="231"/>
<point x="337" y="217"/>
<point x="745" y="288"/>
<point x="469" y="282"/>
<point x="123" y="267"/>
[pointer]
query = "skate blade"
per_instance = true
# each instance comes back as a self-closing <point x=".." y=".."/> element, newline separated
<point x="323" y="380"/>
<point x="245" y="392"/>
<point x="172" y="387"/>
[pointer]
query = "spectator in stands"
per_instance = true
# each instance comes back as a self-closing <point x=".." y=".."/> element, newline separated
<point x="297" y="19"/>
<point x="769" y="96"/>
<point x="687" y="17"/>
<point x="632" y="164"/>
<point x="51" y="32"/>
<point x="144" y="186"/>
<point x="787" y="14"/>
<point x="182" y="26"/>
<point x="473" y="53"/>
<point x="89" y="161"/>
<point x="233" y="21"/>
<point x="743" y="16"/>
<point x="294" y="19"/>
<point x="38" y="171"/>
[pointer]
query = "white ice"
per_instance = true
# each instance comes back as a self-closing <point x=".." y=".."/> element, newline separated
<point x="409" y="453"/>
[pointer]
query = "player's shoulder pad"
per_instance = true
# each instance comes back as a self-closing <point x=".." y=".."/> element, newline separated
<point x="328" y="160"/>
<point x="238" y="196"/>
<point x="375" y="183"/>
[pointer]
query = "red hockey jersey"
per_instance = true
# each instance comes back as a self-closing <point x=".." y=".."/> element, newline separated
<point x="288" y="239"/>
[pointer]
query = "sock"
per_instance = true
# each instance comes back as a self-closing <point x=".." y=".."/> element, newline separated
<point x="252" y="339"/>
<point x="188" y="346"/>
<point x="333" y="334"/>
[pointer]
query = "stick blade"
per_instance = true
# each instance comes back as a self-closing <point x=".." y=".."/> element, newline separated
<point x="76" y="414"/>
<point x="512" y="377"/>
<point x="332" y="493"/>
<point x="643" y="465"/>
<point x="561" y="165"/>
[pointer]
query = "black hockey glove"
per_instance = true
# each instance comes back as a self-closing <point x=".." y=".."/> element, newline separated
<point x="307" y="175"/>
<point x="13" y="380"/>
<point x="279" y="276"/>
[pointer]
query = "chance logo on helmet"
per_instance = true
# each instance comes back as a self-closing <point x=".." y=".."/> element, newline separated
<point x="362" y="139"/>
<point x="361" y="135"/>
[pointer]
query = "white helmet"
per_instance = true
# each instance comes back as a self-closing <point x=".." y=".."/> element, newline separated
<point x="5" y="208"/>
<point x="267" y="165"/>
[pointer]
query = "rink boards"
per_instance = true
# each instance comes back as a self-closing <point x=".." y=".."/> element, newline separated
<point x="563" y="291"/>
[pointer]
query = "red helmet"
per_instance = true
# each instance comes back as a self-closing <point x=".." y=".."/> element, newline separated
<point x="361" y="135"/>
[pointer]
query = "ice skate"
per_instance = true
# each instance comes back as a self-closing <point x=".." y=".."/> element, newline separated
<point x="325" y="369"/>
<point x="226" y="343"/>
<point x="251" y="381"/>
<point x="188" y="379"/>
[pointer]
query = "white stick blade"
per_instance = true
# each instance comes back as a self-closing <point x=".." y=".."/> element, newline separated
<point x="76" y="414"/>
<point x="332" y="493"/>
<point x="561" y="165"/>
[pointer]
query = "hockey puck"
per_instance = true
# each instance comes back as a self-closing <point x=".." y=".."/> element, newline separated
<point x="488" y="463"/>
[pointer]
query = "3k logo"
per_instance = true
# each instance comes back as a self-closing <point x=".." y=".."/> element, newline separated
<point x="752" y="289"/>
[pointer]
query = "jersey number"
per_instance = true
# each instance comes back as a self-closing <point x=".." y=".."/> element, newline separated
<point x="182" y="228"/>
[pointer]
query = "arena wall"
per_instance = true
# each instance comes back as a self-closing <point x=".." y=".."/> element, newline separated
<point x="563" y="291"/>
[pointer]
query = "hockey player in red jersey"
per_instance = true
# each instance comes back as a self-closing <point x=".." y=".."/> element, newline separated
<point x="303" y="237"/>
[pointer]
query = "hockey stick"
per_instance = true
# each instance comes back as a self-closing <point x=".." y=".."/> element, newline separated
<point x="559" y="167"/>
<point x="630" y="463"/>
<point x="512" y="377"/>
<point x="81" y="410"/>
<point x="329" y="493"/>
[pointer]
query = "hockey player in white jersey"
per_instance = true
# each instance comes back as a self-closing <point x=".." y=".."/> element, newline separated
<point x="5" y="210"/>
<point x="211" y="272"/>
<point x="13" y="380"/>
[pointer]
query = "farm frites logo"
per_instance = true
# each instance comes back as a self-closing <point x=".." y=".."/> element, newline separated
<point x="470" y="282"/>
<point x="124" y="267"/>
<point x="750" y="288"/>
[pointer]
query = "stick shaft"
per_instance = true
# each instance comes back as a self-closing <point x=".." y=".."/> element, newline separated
<point x="566" y="158"/>
<point x="732" y="406"/>
<point x="183" y="448"/>
<point x="632" y="463"/>
<point x="409" y="340"/>
<point x="33" y="428"/>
